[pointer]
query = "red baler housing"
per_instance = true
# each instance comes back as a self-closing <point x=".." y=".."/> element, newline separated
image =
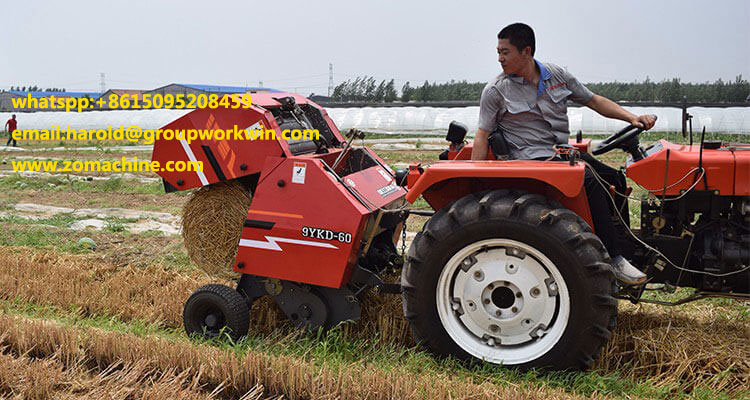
<point x="306" y="222"/>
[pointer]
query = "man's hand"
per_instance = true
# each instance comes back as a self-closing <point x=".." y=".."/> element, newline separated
<point x="644" y="121"/>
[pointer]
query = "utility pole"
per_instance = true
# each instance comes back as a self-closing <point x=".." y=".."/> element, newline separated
<point x="330" y="79"/>
<point x="102" y="85"/>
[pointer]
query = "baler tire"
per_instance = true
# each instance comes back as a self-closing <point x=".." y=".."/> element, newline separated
<point x="504" y="223"/>
<point x="228" y="309"/>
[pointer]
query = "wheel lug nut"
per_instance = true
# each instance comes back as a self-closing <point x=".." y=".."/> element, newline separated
<point x="498" y="313"/>
<point x="535" y="292"/>
<point x="514" y="309"/>
<point x="490" y="286"/>
<point x="478" y="275"/>
<point x="486" y="301"/>
<point x="518" y="295"/>
<point x="494" y="328"/>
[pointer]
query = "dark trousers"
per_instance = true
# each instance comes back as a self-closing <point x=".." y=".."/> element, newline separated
<point x="11" y="139"/>
<point x="600" y="204"/>
<point x="601" y="207"/>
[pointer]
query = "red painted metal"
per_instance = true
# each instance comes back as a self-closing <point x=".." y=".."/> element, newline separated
<point x="465" y="152"/>
<point x="231" y="154"/>
<point x="443" y="182"/>
<point x="727" y="169"/>
<point x="276" y="241"/>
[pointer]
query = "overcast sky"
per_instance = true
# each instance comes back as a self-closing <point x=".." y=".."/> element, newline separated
<point x="289" y="44"/>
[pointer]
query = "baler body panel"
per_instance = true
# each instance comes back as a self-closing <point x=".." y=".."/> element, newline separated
<point x="305" y="226"/>
<point x="233" y="157"/>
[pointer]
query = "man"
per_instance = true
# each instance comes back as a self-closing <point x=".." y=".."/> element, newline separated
<point x="11" y="125"/>
<point x="528" y="104"/>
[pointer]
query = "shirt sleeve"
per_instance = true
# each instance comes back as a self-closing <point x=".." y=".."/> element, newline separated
<point x="581" y="94"/>
<point x="489" y="106"/>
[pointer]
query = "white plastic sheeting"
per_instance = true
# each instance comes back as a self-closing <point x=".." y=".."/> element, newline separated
<point x="405" y="119"/>
<point x="430" y="119"/>
<point x="146" y="119"/>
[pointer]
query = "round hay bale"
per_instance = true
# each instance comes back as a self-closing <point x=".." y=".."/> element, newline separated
<point x="212" y="222"/>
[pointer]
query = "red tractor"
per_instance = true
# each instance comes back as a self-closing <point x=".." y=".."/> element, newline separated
<point x="506" y="270"/>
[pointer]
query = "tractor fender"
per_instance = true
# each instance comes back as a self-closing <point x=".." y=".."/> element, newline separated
<point x="442" y="183"/>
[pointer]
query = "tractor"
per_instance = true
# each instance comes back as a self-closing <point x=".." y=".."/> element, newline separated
<point x="506" y="270"/>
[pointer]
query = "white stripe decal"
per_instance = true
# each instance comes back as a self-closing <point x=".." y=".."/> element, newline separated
<point x="270" y="243"/>
<point x="191" y="156"/>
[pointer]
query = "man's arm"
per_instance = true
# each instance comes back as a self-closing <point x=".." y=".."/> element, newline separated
<point x="610" y="109"/>
<point x="489" y="106"/>
<point x="479" y="151"/>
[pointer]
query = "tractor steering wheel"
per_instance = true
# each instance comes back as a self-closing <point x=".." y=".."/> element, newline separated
<point x="626" y="139"/>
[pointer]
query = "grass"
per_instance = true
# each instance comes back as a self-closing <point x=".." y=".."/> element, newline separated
<point x="333" y="350"/>
<point x="237" y="369"/>
<point x="60" y="220"/>
<point x="41" y="237"/>
<point x="72" y="184"/>
<point x="94" y="289"/>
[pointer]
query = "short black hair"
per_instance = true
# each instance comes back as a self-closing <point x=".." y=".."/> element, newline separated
<point x="519" y="35"/>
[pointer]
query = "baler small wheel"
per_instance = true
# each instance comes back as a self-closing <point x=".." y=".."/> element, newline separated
<point x="510" y="278"/>
<point x="214" y="311"/>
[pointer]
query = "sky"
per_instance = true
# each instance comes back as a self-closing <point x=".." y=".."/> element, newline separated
<point x="289" y="44"/>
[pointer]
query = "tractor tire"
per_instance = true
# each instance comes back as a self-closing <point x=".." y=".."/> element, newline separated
<point x="215" y="311"/>
<point x="510" y="278"/>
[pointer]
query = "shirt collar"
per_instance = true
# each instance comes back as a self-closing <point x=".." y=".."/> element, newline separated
<point x="543" y="76"/>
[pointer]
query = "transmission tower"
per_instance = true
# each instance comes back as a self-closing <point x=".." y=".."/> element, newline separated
<point x="330" y="79"/>
<point x="102" y="85"/>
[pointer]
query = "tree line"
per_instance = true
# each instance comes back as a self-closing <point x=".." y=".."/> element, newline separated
<point x="35" y="89"/>
<point x="368" y="89"/>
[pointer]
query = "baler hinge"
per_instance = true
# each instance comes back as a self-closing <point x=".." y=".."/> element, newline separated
<point x="363" y="278"/>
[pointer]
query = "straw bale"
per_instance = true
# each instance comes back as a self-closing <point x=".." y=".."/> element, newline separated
<point x="212" y="221"/>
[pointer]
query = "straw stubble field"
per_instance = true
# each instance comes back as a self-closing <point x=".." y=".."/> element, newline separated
<point x="76" y="323"/>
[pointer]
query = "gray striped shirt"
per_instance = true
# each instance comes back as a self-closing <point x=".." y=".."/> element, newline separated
<point x="532" y="123"/>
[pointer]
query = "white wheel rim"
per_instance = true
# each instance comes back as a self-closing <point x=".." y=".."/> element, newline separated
<point x="503" y="301"/>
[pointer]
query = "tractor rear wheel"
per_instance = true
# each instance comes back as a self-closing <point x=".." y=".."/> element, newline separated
<point x="214" y="311"/>
<point x="510" y="278"/>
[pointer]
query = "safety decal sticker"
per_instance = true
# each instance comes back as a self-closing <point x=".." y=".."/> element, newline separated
<point x="385" y="175"/>
<point x="298" y="172"/>
<point x="386" y="190"/>
<point x="272" y="243"/>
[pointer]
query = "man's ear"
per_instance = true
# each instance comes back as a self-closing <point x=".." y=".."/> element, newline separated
<point x="527" y="51"/>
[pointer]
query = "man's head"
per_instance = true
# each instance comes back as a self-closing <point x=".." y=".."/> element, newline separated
<point x="515" y="47"/>
<point x="14" y="116"/>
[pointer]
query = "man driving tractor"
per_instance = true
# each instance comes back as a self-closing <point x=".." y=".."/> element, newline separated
<point x="524" y="110"/>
